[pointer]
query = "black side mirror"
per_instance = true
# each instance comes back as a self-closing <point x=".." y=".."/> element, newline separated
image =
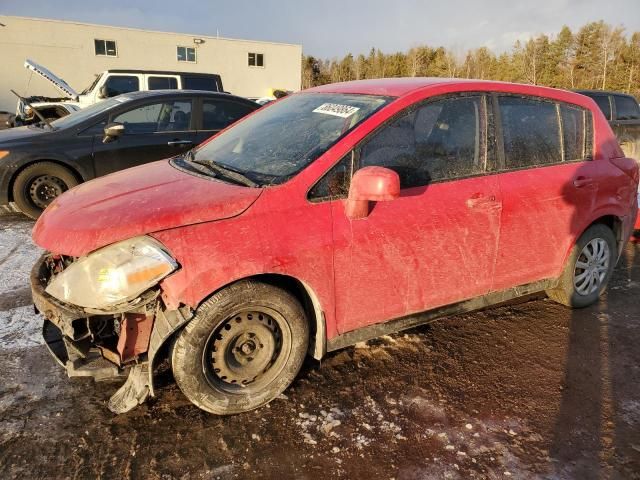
<point x="112" y="132"/>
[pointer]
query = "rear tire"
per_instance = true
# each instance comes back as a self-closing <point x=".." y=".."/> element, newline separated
<point x="243" y="348"/>
<point x="39" y="184"/>
<point x="588" y="268"/>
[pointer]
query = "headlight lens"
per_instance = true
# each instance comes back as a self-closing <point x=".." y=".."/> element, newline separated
<point x="113" y="274"/>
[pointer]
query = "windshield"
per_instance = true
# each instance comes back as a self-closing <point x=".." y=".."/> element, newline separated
<point x="93" y="84"/>
<point x="81" y="115"/>
<point x="278" y="141"/>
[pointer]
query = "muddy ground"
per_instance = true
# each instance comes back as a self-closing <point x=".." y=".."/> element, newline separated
<point x="528" y="390"/>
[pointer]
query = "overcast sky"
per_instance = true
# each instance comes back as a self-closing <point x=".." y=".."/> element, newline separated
<point x="329" y="28"/>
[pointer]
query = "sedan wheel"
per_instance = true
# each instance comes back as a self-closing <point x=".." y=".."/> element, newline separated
<point x="37" y="185"/>
<point x="43" y="189"/>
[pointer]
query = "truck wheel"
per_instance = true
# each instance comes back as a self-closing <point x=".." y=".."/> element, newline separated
<point x="244" y="346"/>
<point x="36" y="186"/>
<point x="588" y="269"/>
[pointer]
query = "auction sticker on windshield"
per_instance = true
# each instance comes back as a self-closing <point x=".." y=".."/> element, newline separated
<point x="336" y="109"/>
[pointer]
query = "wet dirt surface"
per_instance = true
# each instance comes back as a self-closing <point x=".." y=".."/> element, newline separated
<point x="528" y="390"/>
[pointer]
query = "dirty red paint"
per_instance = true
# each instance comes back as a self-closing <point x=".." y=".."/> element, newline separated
<point x="431" y="246"/>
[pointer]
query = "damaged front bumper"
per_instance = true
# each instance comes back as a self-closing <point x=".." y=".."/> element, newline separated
<point x="105" y="345"/>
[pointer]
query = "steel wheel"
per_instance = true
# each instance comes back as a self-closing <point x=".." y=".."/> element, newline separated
<point x="247" y="351"/>
<point x="592" y="266"/>
<point x="44" y="189"/>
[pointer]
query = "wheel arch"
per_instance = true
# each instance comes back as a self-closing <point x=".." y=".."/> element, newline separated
<point x="72" y="169"/>
<point x="615" y="224"/>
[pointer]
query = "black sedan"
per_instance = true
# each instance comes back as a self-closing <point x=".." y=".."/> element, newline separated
<point x="39" y="162"/>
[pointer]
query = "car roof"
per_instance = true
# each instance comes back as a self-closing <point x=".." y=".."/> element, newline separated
<point x="603" y="92"/>
<point x="181" y="93"/>
<point x="163" y="72"/>
<point x="398" y="87"/>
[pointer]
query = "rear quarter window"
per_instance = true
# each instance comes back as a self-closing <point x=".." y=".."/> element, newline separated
<point x="531" y="132"/>
<point x="208" y="84"/>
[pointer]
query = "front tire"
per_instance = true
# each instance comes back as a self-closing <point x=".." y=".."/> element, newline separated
<point x="39" y="184"/>
<point x="243" y="348"/>
<point x="588" y="268"/>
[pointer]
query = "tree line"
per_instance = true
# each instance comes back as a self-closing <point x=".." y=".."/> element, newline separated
<point x="597" y="56"/>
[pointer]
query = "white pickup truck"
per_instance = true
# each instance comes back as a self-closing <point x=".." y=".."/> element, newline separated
<point x="109" y="84"/>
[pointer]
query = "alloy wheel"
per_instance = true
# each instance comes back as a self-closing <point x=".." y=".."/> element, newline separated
<point x="592" y="266"/>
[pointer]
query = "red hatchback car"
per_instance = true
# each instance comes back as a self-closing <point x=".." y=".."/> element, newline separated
<point x="329" y="217"/>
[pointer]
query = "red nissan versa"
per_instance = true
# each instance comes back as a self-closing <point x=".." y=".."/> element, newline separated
<point x="332" y="216"/>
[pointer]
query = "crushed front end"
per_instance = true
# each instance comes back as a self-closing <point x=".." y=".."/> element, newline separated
<point x="117" y="341"/>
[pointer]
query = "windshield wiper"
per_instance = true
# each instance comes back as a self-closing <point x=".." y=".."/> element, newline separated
<point x="222" y="170"/>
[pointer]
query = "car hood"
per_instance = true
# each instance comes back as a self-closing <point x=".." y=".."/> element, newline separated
<point x="52" y="78"/>
<point x="132" y="202"/>
<point x="17" y="134"/>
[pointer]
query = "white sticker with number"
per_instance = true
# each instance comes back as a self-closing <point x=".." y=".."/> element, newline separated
<point x="336" y="110"/>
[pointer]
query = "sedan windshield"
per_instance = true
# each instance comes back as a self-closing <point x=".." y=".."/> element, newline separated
<point x="278" y="141"/>
<point x="81" y="115"/>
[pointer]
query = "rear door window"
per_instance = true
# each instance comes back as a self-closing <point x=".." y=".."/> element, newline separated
<point x="163" y="83"/>
<point x="200" y="83"/>
<point x="218" y="114"/>
<point x="574" y="132"/>
<point x="531" y="132"/>
<point x="119" y="84"/>
<point x="440" y="140"/>
<point x="168" y="116"/>
<point x="626" y="108"/>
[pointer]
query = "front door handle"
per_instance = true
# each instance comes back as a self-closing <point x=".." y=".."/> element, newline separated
<point x="179" y="142"/>
<point x="581" y="181"/>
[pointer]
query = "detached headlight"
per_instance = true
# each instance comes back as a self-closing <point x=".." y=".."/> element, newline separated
<point x="113" y="274"/>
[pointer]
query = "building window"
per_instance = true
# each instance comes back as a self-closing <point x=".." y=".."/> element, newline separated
<point x="186" y="54"/>
<point x="256" y="60"/>
<point x="105" y="48"/>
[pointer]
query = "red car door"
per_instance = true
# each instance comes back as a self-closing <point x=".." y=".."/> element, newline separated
<point x="437" y="243"/>
<point x="550" y="190"/>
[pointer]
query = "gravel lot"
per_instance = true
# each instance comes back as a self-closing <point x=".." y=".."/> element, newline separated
<point x="527" y="390"/>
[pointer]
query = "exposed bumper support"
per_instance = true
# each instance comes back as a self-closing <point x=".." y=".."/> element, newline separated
<point x="80" y="356"/>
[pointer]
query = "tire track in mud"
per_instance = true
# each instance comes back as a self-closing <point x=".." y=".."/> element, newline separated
<point x="19" y="297"/>
<point x="8" y="255"/>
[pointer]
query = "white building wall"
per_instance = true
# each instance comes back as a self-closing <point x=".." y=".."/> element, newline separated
<point x="67" y="49"/>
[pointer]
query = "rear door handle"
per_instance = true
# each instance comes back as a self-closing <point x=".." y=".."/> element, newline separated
<point x="179" y="142"/>
<point x="580" y="182"/>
